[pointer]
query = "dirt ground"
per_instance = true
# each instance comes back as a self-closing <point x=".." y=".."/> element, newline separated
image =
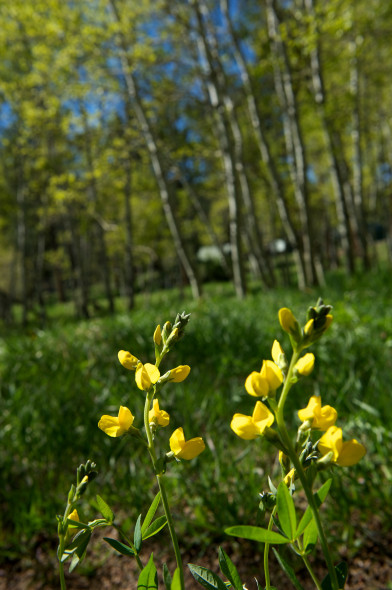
<point x="370" y="567"/>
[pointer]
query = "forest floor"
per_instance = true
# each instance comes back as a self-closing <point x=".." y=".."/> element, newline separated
<point x="370" y="567"/>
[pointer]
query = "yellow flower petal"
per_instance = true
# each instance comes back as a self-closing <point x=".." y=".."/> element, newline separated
<point x="113" y="426"/>
<point x="277" y="352"/>
<point x="287" y="319"/>
<point x="158" y="335"/>
<point x="262" y="416"/>
<point x="326" y="418"/>
<point x="351" y="452"/>
<point x="309" y="327"/>
<point x="272" y="374"/>
<point x="313" y="406"/>
<point x="250" y="427"/>
<point x="256" y="385"/>
<point x="185" y="449"/>
<point x="146" y="375"/>
<point x="305" y="364"/>
<point x="332" y="440"/>
<point x="74" y="516"/>
<point x="160" y="417"/>
<point x="125" y="418"/>
<point x="179" y="373"/>
<point x="127" y="360"/>
<point x="322" y="417"/>
<point x="244" y="427"/>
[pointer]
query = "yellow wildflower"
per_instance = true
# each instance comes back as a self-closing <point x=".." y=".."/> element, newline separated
<point x="185" y="449"/>
<point x="256" y="385"/>
<point x="343" y="453"/>
<point x="127" y="360"/>
<point x="158" y="335"/>
<point x="146" y="375"/>
<point x="179" y="373"/>
<point x="269" y="379"/>
<point x="117" y="426"/>
<point x="289" y="477"/>
<point x="250" y="427"/>
<point x="74" y="516"/>
<point x="321" y="417"/>
<point x="158" y="416"/>
<point x="287" y="320"/>
<point x="305" y="364"/>
<point x="277" y="353"/>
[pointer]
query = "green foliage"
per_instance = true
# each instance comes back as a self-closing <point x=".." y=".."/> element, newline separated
<point x="56" y="383"/>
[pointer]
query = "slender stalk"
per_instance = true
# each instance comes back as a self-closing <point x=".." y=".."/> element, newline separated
<point x="266" y="552"/>
<point x="162" y="488"/>
<point x="300" y="471"/>
<point x="128" y="540"/>
<point x="311" y="572"/>
<point x="61" y="565"/>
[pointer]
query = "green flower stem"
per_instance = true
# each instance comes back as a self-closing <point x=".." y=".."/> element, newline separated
<point x="162" y="488"/>
<point x="311" y="572"/>
<point x="61" y="565"/>
<point x="300" y="471"/>
<point x="128" y="540"/>
<point x="61" y="547"/>
<point x="266" y="553"/>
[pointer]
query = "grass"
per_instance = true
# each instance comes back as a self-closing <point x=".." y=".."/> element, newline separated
<point x="56" y="383"/>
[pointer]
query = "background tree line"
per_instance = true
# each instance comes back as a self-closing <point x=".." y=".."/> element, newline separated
<point x="133" y="134"/>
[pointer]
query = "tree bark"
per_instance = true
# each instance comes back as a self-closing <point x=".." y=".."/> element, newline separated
<point x="148" y="134"/>
<point x="293" y="138"/>
<point x="225" y="140"/>
<point x="340" y="178"/>
<point x="273" y="177"/>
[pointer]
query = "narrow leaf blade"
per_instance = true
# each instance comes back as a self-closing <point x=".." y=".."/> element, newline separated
<point x="341" y="573"/>
<point x="288" y="570"/>
<point x="229" y="570"/>
<point x="319" y="496"/>
<point x="176" y="582"/>
<point x="286" y="511"/>
<point x="119" y="547"/>
<point x="104" y="509"/>
<point x="255" y="533"/>
<point x="137" y="535"/>
<point x="151" y="512"/>
<point x="148" y="579"/>
<point x="310" y="536"/>
<point x="206" y="577"/>
<point x="167" y="579"/>
<point x="155" y="527"/>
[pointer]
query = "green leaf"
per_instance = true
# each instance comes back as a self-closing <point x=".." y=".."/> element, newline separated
<point x="167" y="579"/>
<point x="137" y="535"/>
<point x="255" y="533"/>
<point x="310" y="536"/>
<point x="79" y="539"/>
<point x="80" y="550"/>
<point x="155" y="527"/>
<point x="288" y="570"/>
<point x="206" y="577"/>
<point x="341" y="573"/>
<point x="229" y="570"/>
<point x="151" y="512"/>
<point x="148" y="579"/>
<point x="120" y="547"/>
<point x="176" y="583"/>
<point x="104" y="509"/>
<point x="286" y="511"/>
<point x="77" y="524"/>
<point x="319" y="496"/>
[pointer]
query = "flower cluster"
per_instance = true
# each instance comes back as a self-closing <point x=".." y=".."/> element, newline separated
<point x="278" y="373"/>
<point x="148" y="379"/>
